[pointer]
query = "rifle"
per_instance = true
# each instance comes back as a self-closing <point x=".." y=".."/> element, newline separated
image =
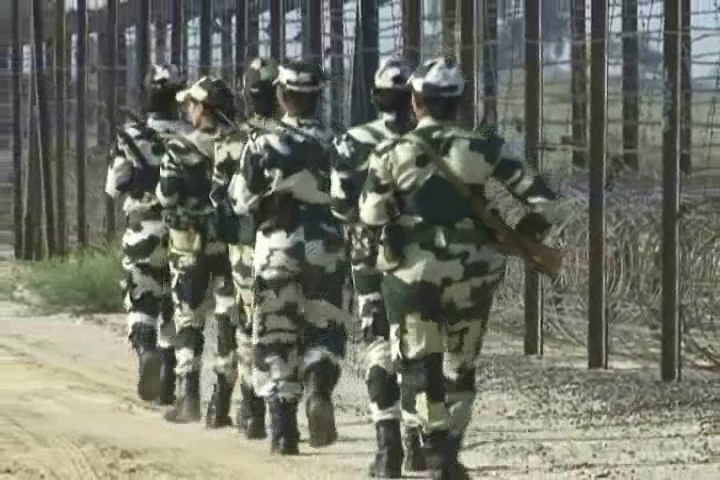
<point x="543" y="258"/>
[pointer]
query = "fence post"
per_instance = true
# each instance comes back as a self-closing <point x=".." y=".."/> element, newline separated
<point x="630" y="84"/>
<point x="366" y="60"/>
<point x="176" y="32"/>
<point x="17" y="68"/>
<point x="579" y="84"/>
<point x="312" y="23"/>
<point x="449" y="26"/>
<point x="412" y="26"/>
<point x="277" y="30"/>
<point x="226" y="47"/>
<point x="686" y="88"/>
<point x="38" y="16"/>
<point x="241" y="41"/>
<point x="489" y="61"/>
<point x="670" y="362"/>
<point x="337" y="67"/>
<point x="253" y="29"/>
<point x="111" y="29"/>
<point x="60" y="126"/>
<point x="533" y="344"/>
<point x="466" y="47"/>
<point x="80" y="138"/>
<point x="206" y="20"/>
<point x="597" y="315"/>
<point x="33" y="202"/>
<point x="142" y="47"/>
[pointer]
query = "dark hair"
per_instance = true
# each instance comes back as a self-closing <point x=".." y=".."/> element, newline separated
<point x="392" y="101"/>
<point x="161" y="100"/>
<point x="439" y="108"/>
<point x="300" y="104"/>
<point x="263" y="101"/>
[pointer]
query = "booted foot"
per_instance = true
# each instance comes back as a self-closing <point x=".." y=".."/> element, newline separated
<point x="452" y="471"/>
<point x="218" y="412"/>
<point x="443" y="457"/>
<point x="187" y="405"/>
<point x="414" y="453"/>
<point x="321" y="421"/>
<point x="144" y="340"/>
<point x="251" y="414"/>
<point x="285" y="434"/>
<point x="389" y="457"/>
<point x="167" y="377"/>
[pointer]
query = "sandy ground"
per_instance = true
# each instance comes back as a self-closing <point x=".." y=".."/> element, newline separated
<point x="67" y="411"/>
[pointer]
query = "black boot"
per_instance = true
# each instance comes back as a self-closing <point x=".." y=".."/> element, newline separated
<point x="389" y="457"/>
<point x="251" y="415"/>
<point x="187" y="403"/>
<point x="443" y="457"/>
<point x="319" y="407"/>
<point x="285" y="434"/>
<point x="218" y="412"/>
<point x="167" y="377"/>
<point x="414" y="453"/>
<point x="144" y="340"/>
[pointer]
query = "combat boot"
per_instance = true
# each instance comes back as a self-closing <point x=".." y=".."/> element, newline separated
<point x="414" y="453"/>
<point x="285" y="435"/>
<point x="144" y="340"/>
<point x="187" y="403"/>
<point x="251" y="414"/>
<point x="443" y="457"/>
<point x="218" y="412"/>
<point x="320" y="410"/>
<point x="167" y="377"/>
<point x="389" y="457"/>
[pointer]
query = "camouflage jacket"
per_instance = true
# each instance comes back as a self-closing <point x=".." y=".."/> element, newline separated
<point x="405" y="188"/>
<point x="135" y="166"/>
<point x="228" y="150"/>
<point x="186" y="180"/>
<point x="350" y="163"/>
<point x="286" y="173"/>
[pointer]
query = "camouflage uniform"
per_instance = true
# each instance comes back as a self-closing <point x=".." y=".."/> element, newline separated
<point x="298" y="326"/>
<point x="198" y="258"/>
<point x="440" y="292"/>
<point x="134" y="171"/>
<point x="239" y="233"/>
<point x="350" y="170"/>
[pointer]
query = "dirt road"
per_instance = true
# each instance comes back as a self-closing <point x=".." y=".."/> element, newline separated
<point x="67" y="411"/>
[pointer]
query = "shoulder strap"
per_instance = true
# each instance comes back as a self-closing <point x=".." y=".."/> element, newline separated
<point x="440" y="163"/>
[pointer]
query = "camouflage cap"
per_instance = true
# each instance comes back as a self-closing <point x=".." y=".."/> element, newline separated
<point x="260" y="71"/>
<point x="210" y="91"/>
<point x="439" y="77"/>
<point x="163" y="76"/>
<point x="301" y="76"/>
<point x="393" y="74"/>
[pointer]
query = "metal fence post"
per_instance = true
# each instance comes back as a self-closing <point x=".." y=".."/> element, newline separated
<point x="489" y="61"/>
<point x="579" y="84"/>
<point x="60" y="125"/>
<point x="17" y="70"/>
<point x="366" y="60"/>
<point x="533" y="344"/>
<point x="337" y="67"/>
<point x="176" y="32"/>
<point x="277" y="30"/>
<point x="686" y="89"/>
<point x="630" y="84"/>
<point x="80" y="137"/>
<point x="142" y="47"/>
<point x="466" y="47"/>
<point x="412" y="26"/>
<point x="206" y="13"/>
<point x="111" y="29"/>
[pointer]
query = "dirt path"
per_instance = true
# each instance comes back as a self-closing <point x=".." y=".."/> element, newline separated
<point x="68" y="412"/>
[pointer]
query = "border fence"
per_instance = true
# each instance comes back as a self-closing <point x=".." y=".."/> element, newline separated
<point x="616" y="101"/>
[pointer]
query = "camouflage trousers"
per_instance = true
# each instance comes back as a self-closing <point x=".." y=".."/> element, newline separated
<point x="146" y="286"/>
<point x="438" y="321"/>
<point x="241" y="260"/>
<point x="195" y="267"/>
<point x="298" y="325"/>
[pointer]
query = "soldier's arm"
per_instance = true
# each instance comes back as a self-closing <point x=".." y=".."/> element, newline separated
<point x="120" y="170"/>
<point x="344" y="188"/>
<point x="249" y="182"/>
<point x="227" y="158"/>
<point x="391" y="170"/>
<point x="171" y="186"/>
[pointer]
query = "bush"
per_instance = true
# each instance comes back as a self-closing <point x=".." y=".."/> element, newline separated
<point x="83" y="282"/>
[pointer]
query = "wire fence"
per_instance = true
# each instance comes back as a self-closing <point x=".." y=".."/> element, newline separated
<point x="517" y="55"/>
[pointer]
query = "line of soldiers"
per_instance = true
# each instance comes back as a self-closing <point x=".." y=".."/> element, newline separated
<point x="263" y="210"/>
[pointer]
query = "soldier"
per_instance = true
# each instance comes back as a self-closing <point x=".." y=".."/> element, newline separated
<point x="298" y="331"/>
<point x="239" y="233"/>
<point x="441" y="264"/>
<point x="197" y="256"/>
<point x="134" y="171"/>
<point x="391" y="95"/>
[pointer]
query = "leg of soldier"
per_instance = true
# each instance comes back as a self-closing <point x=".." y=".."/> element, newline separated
<point x="325" y="338"/>
<point x="251" y="415"/>
<point x="189" y="281"/>
<point x="226" y="368"/>
<point x="166" y="342"/>
<point x="278" y="326"/>
<point x="143" y="257"/>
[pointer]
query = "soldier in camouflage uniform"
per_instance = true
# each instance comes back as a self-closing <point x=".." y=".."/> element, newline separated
<point x="198" y="259"/>
<point x="298" y="327"/>
<point x="134" y="171"/>
<point x="391" y="95"/>
<point x="441" y="265"/>
<point x="239" y="232"/>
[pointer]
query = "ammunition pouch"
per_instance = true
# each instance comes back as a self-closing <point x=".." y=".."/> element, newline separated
<point x="185" y="242"/>
<point x="390" y="251"/>
<point x="438" y="202"/>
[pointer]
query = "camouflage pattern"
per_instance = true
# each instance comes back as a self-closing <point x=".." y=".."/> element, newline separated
<point x="134" y="172"/>
<point x="298" y="324"/>
<point x="350" y="168"/>
<point x="440" y="294"/>
<point x="198" y="258"/>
